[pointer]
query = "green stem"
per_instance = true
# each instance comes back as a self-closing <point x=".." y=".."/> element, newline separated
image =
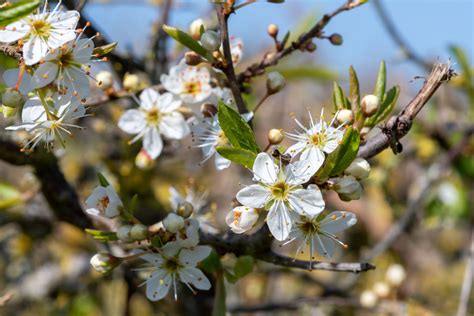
<point x="49" y="115"/>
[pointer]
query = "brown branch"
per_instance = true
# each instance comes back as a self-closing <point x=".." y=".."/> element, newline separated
<point x="11" y="51"/>
<point x="316" y="31"/>
<point x="228" y="65"/>
<point x="400" y="125"/>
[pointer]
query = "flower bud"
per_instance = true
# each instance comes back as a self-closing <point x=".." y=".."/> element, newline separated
<point x="381" y="289"/>
<point x="368" y="299"/>
<point x="310" y="47"/>
<point x="124" y="233"/>
<point x="131" y="82"/>
<point x="8" y="111"/>
<point x="359" y="169"/>
<point x="275" y="82"/>
<point x="272" y="30"/>
<point x="395" y="274"/>
<point x="335" y="39"/>
<point x="184" y="209"/>
<point x="275" y="136"/>
<point x="241" y="219"/>
<point x="195" y="28"/>
<point x="11" y="98"/>
<point x="208" y="110"/>
<point x="348" y="188"/>
<point x="143" y="160"/>
<point x="192" y="59"/>
<point x="105" y="79"/>
<point x="173" y="223"/>
<point x="345" y="117"/>
<point x="139" y="232"/>
<point x="211" y="41"/>
<point x="103" y="262"/>
<point x="369" y="105"/>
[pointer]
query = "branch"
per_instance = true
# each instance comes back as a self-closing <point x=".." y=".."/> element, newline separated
<point x="228" y="65"/>
<point x="316" y="31"/>
<point x="400" y="125"/>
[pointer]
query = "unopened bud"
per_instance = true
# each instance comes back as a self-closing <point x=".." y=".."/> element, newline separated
<point x="368" y="299"/>
<point x="348" y="188"/>
<point x="208" y="110"/>
<point x="184" y="209"/>
<point x="395" y="274"/>
<point x="103" y="262"/>
<point x="123" y="233"/>
<point x="8" y="111"/>
<point x="310" y="47"/>
<point x="345" y="117"/>
<point x="11" y="98"/>
<point x="335" y="39"/>
<point x="173" y="223"/>
<point x="275" y="82"/>
<point x="210" y="40"/>
<point x="105" y="80"/>
<point x="139" y="232"/>
<point x="195" y="28"/>
<point x="272" y="30"/>
<point x="359" y="169"/>
<point x="131" y="82"/>
<point x="369" y="105"/>
<point x="381" y="289"/>
<point x="275" y="136"/>
<point x="143" y="160"/>
<point x="192" y="59"/>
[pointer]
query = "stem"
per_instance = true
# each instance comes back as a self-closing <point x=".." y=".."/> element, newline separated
<point x="20" y="77"/>
<point x="49" y="115"/>
<point x="265" y="97"/>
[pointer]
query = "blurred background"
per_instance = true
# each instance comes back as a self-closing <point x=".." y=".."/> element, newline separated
<point x="44" y="262"/>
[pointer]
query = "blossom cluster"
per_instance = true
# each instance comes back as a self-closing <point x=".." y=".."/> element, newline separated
<point x="53" y="74"/>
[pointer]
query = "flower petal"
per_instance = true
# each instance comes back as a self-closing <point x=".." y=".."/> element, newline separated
<point x="152" y="142"/>
<point x="221" y="162"/>
<point x="195" y="277"/>
<point x="279" y="221"/>
<point x="149" y="98"/>
<point x="33" y="50"/>
<point x="190" y="257"/>
<point x="315" y="156"/>
<point x="11" y="77"/>
<point x="132" y="122"/>
<point x="338" y="221"/>
<point x="299" y="172"/>
<point x="174" y="126"/>
<point x="15" y="31"/>
<point x="324" y="245"/>
<point x="264" y="169"/>
<point x="253" y="196"/>
<point x="308" y="201"/>
<point x="45" y="74"/>
<point x="167" y="102"/>
<point x="158" y="285"/>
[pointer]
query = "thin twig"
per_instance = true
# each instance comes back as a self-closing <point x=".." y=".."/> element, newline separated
<point x="468" y="280"/>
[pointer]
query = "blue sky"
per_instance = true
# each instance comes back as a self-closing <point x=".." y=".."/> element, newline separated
<point x="428" y="25"/>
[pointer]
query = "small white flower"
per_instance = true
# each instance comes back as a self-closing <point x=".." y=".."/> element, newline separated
<point x="320" y="234"/>
<point x="316" y="140"/>
<point x="158" y="115"/>
<point x="69" y="66"/>
<point x="395" y="274"/>
<point x="197" y="199"/>
<point x="173" y="223"/>
<point x="104" y="201"/>
<point x="187" y="236"/>
<point x="41" y="32"/>
<point x="49" y="125"/>
<point x="174" y="264"/>
<point x="241" y="219"/>
<point x="280" y="192"/>
<point x="190" y="83"/>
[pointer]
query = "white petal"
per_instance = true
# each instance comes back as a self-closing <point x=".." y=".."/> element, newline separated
<point x="315" y="156"/>
<point x="324" y="245"/>
<point x="264" y="169"/>
<point x="11" y="77"/>
<point x="174" y="126"/>
<point x="253" y="196"/>
<point x="76" y="81"/>
<point x="132" y="121"/>
<point x="149" y="98"/>
<point x="152" y="142"/>
<point x="279" y="221"/>
<point x="33" y="111"/>
<point x="167" y="103"/>
<point x="45" y="74"/>
<point x="33" y="50"/>
<point x="190" y="257"/>
<point x="295" y="149"/>
<point x="308" y="201"/>
<point x="220" y="162"/>
<point x="338" y="221"/>
<point x="64" y="20"/>
<point x="83" y="51"/>
<point x="153" y="258"/>
<point x="158" y="285"/>
<point x="195" y="277"/>
<point x="13" y="32"/>
<point x="299" y="172"/>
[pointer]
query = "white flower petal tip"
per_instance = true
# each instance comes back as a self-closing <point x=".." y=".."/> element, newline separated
<point x="241" y="219"/>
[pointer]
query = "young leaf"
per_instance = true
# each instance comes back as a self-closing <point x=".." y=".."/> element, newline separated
<point x="133" y="204"/>
<point x="101" y="235"/>
<point x="185" y="39"/>
<point x="346" y="152"/>
<point x="102" y="180"/>
<point x="241" y="156"/>
<point x="12" y="12"/>
<point x="354" y="90"/>
<point x="339" y="100"/>
<point x="156" y="241"/>
<point x="243" y="266"/>
<point x="237" y="131"/>
<point x="379" y="89"/>
<point x="104" y="50"/>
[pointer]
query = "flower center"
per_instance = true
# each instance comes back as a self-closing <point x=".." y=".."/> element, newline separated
<point x="66" y="57"/>
<point x="193" y="87"/>
<point x="237" y="216"/>
<point x="153" y="117"/>
<point x="280" y="190"/>
<point x="40" y="28"/>
<point x="308" y="227"/>
<point x="103" y="203"/>
<point x="172" y="265"/>
<point x="222" y="140"/>
<point x="317" y="139"/>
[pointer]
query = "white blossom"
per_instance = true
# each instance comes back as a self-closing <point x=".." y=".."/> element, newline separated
<point x="315" y="141"/>
<point x="187" y="236"/>
<point x="41" y="32"/>
<point x="280" y="191"/>
<point x="104" y="201"/>
<point x="158" y="115"/>
<point x="241" y="219"/>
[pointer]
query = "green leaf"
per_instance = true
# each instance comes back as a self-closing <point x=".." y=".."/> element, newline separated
<point x="212" y="263"/>
<point x="386" y="107"/>
<point x="354" y="91"/>
<point x="157" y="242"/>
<point x="285" y="39"/>
<point x="311" y="72"/>
<point x="102" y="180"/>
<point x="219" y="308"/>
<point x="9" y="196"/>
<point x="379" y="89"/>
<point x="241" y="156"/>
<point x="346" y="152"/>
<point x="237" y="131"/>
<point x="243" y="266"/>
<point x="339" y="99"/>
<point x="101" y="235"/>
<point x="15" y="11"/>
<point x="104" y="50"/>
<point x="185" y="39"/>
